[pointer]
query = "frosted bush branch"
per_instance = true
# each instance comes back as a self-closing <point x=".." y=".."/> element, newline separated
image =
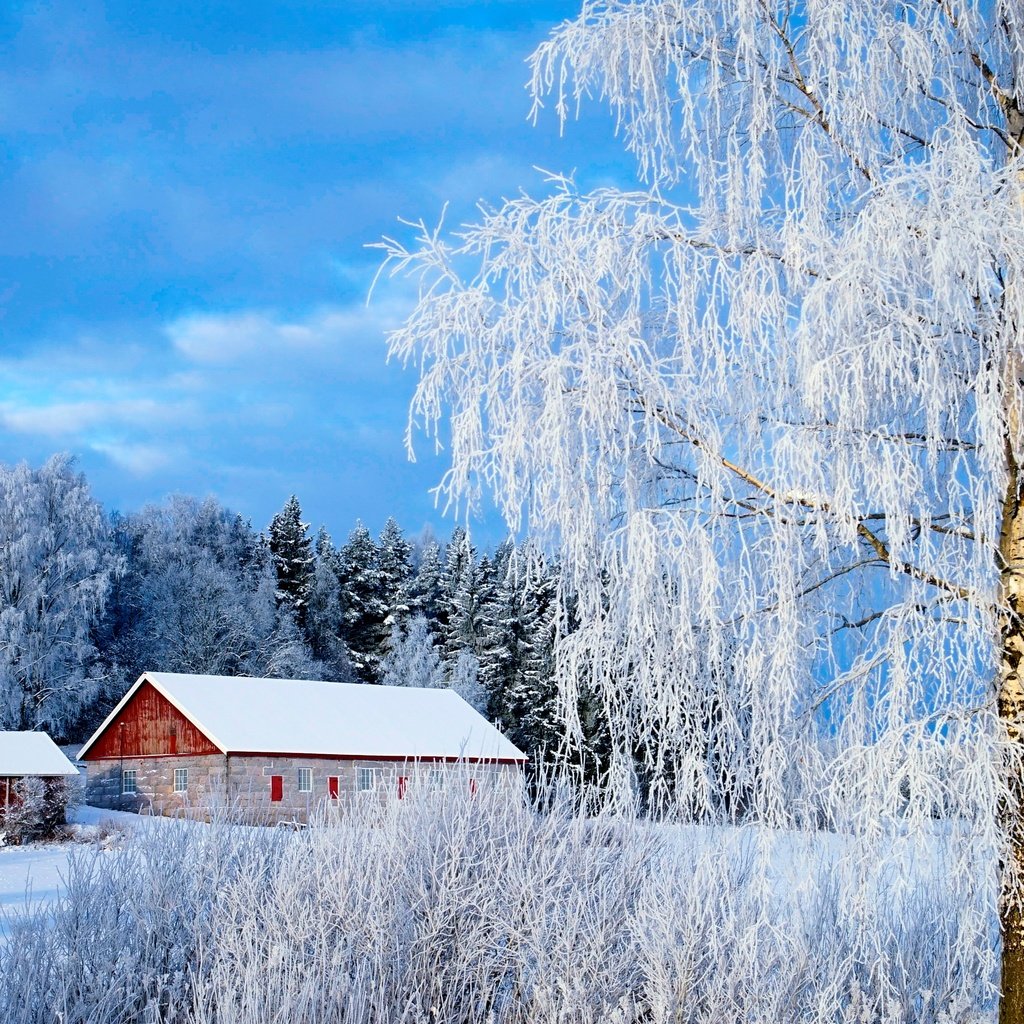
<point x="460" y="908"/>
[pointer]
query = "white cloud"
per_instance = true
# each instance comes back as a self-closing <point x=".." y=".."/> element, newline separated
<point x="202" y="389"/>
<point x="63" y="418"/>
<point x="224" y="338"/>
<point x="139" y="459"/>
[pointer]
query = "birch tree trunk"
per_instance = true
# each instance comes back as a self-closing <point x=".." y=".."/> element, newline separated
<point x="1011" y="711"/>
<point x="1011" y="652"/>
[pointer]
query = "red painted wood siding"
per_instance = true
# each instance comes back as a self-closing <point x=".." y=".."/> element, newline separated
<point x="147" y="725"/>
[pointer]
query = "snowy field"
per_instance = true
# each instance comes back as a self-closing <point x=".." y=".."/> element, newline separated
<point x="459" y="911"/>
<point x="30" y="876"/>
<point x="34" y="875"/>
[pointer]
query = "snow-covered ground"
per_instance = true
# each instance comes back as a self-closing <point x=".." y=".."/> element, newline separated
<point x="699" y="922"/>
<point x="32" y="875"/>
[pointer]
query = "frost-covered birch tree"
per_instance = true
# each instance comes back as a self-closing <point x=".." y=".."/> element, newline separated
<point x="56" y="570"/>
<point x="772" y="392"/>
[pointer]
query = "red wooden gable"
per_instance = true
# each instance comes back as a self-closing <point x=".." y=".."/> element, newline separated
<point x="149" y="724"/>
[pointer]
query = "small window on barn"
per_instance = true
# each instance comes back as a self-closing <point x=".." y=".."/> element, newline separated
<point x="305" y="780"/>
<point x="128" y="781"/>
<point x="366" y="779"/>
<point x="435" y="778"/>
<point x="180" y="780"/>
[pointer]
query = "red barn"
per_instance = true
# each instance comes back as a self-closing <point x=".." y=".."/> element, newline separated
<point x="281" y="746"/>
<point x="29" y="755"/>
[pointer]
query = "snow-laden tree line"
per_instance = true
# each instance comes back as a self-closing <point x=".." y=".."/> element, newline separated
<point x="88" y="601"/>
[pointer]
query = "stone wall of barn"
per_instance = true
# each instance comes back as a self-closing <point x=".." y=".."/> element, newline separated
<point x="155" y="783"/>
<point x="245" y="782"/>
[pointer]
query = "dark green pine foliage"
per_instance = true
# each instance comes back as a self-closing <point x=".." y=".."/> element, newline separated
<point x="394" y="559"/>
<point x="426" y="591"/>
<point x="363" y="605"/>
<point x="517" y="654"/>
<point x="460" y="599"/>
<point x="291" y="548"/>
<point x="499" y="633"/>
<point x="534" y="698"/>
<point x="324" y="616"/>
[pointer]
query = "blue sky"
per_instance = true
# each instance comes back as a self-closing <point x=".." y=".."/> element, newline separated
<point x="187" y="190"/>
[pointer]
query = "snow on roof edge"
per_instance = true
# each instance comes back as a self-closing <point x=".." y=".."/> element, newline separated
<point x="491" y="744"/>
<point x="32" y="753"/>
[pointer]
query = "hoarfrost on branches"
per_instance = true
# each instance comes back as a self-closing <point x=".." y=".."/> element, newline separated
<point x="412" y="658"/>
<point x="767" y="404"/>
<point x="465" y="681"/>
<point x="56" y="571"/>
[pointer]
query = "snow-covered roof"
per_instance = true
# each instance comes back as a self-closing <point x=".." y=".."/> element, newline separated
<point x="32" y="753"/>
<point x="305" y="716"/>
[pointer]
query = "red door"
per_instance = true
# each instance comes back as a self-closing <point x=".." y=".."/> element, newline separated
<point x="403" y="782"/>
<point x="332" y="786"/>
<point x="276" y="788"/>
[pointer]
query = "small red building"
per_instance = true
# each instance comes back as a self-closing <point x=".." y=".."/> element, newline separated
<point x="29" y="755"/>
<point x="281" y="746"/>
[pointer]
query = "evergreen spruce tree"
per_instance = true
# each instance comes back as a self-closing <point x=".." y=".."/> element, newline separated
<point x="394" y="557"/>
<point x="427" y="585"/>
<point x="532" y="699"/>
<point x="459" y="598"/>
<point x="500" y="648"/>
<point x="324" y="622"/>
<point x="291" y="546"/>
<point x="364" y="608"/>
<point x="517" y="652"/>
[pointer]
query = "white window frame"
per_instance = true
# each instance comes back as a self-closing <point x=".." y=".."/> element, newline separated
<point x="367" y="779"/>
<point x="180" y="780"/>
<point x="306" y="776"/>
<point x="129" y="774"/>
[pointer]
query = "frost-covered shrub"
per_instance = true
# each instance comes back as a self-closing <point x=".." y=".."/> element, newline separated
<point x="38" y="810"/>
<point x="448" y="908"/>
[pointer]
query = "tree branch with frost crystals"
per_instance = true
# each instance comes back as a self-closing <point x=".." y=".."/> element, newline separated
<point x="779" y="502"/>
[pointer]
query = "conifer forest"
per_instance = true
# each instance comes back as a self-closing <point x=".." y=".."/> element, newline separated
<point x="91" y="600"/>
